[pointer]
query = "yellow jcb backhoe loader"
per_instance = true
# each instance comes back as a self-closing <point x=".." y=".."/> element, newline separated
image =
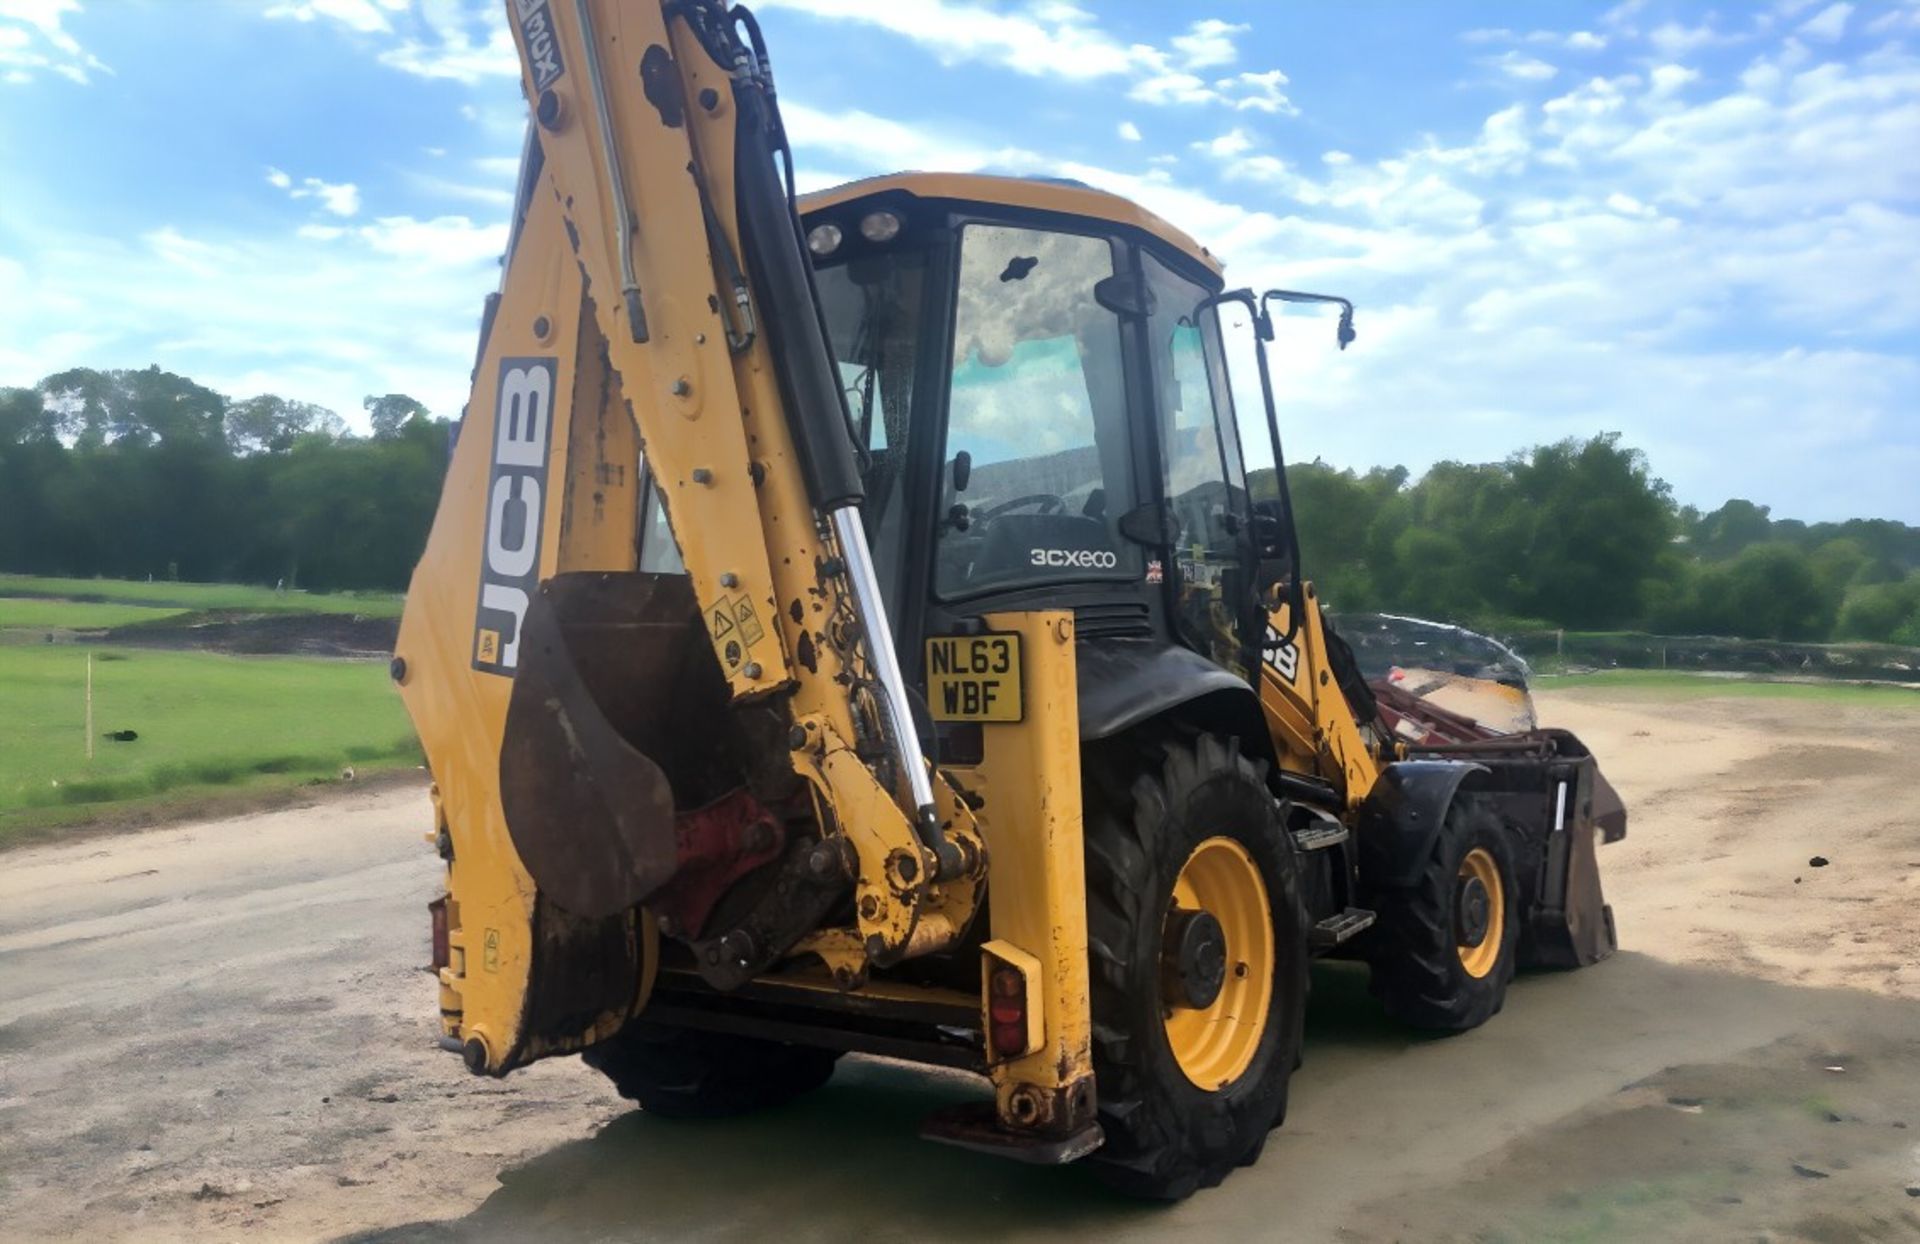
<point x="846" y="627"/>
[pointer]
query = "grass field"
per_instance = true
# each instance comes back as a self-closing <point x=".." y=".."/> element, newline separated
<point x="182" y="597"/>
<point x="1668" y="684"/>
<point x="26" y="613"/>
<point x="206" y="723"/>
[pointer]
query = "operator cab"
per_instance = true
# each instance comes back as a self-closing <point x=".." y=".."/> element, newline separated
<point x="1038" y="386"/>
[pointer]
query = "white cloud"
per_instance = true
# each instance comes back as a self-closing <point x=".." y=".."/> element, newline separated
<point x="1672" y="40"/>
<point x="1128" y="131"/>
<point x="1667" y="79"/>
<point x="1678" y="222"/>
<point x="1828" y="24"/>
<point x="501" y="167"/>
<point x="498" y="192"/>
<point x="1259" y="92"/>
<point x="1627" y="205"/>
<point x="883" y="145"/>
<point x="34" y="39"/>
<point x="361" y="15"/>
<point x="1621" y="15"/>
<point x="1906" y="17"/>
<point x="1173" y="86"/>
<point x="339" y="198"/>
<point x="442" y="242"/>
<point x="1208" y="42"/>
<point x="1060" y="40"/>
<point x="1523" y="67"/>
<point x="1576" y="41"/>
<point x="456" y="57"/>
<point x="1056" y="40"/>
<point x="1230" y="144"/>
<point x="440" y="39"/>
<point x="327" y="312"/>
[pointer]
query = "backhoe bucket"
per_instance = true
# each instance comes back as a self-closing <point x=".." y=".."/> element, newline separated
<point x="617" y="689"/>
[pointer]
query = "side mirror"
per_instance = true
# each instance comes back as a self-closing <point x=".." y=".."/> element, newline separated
<point x="962" y="471"/>
<point x="1269" y="529"/>
<point x="1126" y="294"/>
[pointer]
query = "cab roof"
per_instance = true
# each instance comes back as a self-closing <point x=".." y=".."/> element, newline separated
<point x="1043" y="194"/>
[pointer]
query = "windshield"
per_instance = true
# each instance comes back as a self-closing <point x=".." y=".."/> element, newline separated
<point x="1037" y="450"/>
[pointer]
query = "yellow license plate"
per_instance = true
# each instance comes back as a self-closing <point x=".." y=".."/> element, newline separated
<point x="974" y="678"/>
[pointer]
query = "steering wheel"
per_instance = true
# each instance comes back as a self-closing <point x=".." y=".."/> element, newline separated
<point x="1046" y="502"/>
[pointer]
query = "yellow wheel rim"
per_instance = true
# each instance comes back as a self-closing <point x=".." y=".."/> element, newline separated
<point x="1478" y="959"/>
<point x="1214" y="1044"/>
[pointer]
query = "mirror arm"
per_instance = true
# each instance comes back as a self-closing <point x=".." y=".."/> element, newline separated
<point x="1344" y="332"/>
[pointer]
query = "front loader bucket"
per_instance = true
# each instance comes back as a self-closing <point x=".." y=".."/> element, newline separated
<point x="617" y="689"/>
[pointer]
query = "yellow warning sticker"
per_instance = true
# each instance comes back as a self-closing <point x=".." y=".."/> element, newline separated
<point x="750" y="628"/>
<point x="490" y="956"/>
<point x="726" y="634"/>
<point x="487" y="650"/>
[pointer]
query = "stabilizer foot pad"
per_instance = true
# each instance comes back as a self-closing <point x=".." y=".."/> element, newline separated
<point x="974" y="1125"/>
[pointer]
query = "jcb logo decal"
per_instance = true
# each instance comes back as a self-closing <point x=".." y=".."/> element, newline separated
<point x="1281" y="654"/>
<point x="543" y="49"/>
<point x="516" y="486"/>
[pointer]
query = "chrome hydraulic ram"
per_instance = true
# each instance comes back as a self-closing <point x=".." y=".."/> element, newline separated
<point x="816" y="404"/>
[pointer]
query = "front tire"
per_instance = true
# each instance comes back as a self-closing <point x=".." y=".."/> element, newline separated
<point x="680" y="1074"/>
<point x="1446" y="948"/>
<point x="1199" y="962"/>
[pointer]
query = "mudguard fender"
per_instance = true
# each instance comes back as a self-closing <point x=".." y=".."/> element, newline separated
<point x="1123" y="682"/>
<point x="1402" y="815"/>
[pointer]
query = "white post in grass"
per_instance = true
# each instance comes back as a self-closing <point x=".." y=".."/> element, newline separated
<point x="89" y="705"/>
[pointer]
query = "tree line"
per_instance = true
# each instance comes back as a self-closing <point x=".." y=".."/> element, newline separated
<point x="145" y="472"/>
<point x="1580" y="534"/>
<point x="138" y="473"/>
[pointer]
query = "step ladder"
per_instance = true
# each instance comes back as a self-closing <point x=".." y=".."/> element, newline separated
<point x="1335" y="930"/>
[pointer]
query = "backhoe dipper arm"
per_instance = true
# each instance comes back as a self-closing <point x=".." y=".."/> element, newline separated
<point x="659" y="137"/>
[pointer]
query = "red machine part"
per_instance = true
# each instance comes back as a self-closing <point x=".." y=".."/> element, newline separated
<point x="716" y="846"/>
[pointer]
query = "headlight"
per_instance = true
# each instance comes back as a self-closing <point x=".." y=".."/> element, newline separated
<point x="878" y="227"/>
<point x="823" y="240"/>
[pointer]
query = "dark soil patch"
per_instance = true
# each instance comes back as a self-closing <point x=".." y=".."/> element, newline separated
<point x="264" y="634"/>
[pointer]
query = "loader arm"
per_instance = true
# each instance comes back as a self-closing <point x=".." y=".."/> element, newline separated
<point x="657" y="309"/>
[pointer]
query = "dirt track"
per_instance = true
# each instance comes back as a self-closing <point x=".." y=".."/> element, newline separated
<point x="223" y="1029"/>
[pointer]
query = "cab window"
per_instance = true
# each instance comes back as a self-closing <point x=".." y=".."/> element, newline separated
<point x="1036" y="467"/>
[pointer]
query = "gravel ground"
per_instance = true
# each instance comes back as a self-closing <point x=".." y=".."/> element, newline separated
<point x="223" y="1029"/>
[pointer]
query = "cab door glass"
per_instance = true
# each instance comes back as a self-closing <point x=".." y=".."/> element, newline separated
<point x="1037" y="403"/>
<point x="873" y="307"/>
<point x="1205" y="480"/>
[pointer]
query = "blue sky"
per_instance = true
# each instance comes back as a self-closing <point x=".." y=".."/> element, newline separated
<point x="1696" y="226"/>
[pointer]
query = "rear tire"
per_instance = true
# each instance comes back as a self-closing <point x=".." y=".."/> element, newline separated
<point x="1154" y="813"/>
<point x="1425" y="972"/>
<point x="681" y="1074"/>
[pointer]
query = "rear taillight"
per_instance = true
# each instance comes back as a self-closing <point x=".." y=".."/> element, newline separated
<point x="1007" y="1011"/>
<point x="442" y="952"/>
<point x="1010" y="983"/>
